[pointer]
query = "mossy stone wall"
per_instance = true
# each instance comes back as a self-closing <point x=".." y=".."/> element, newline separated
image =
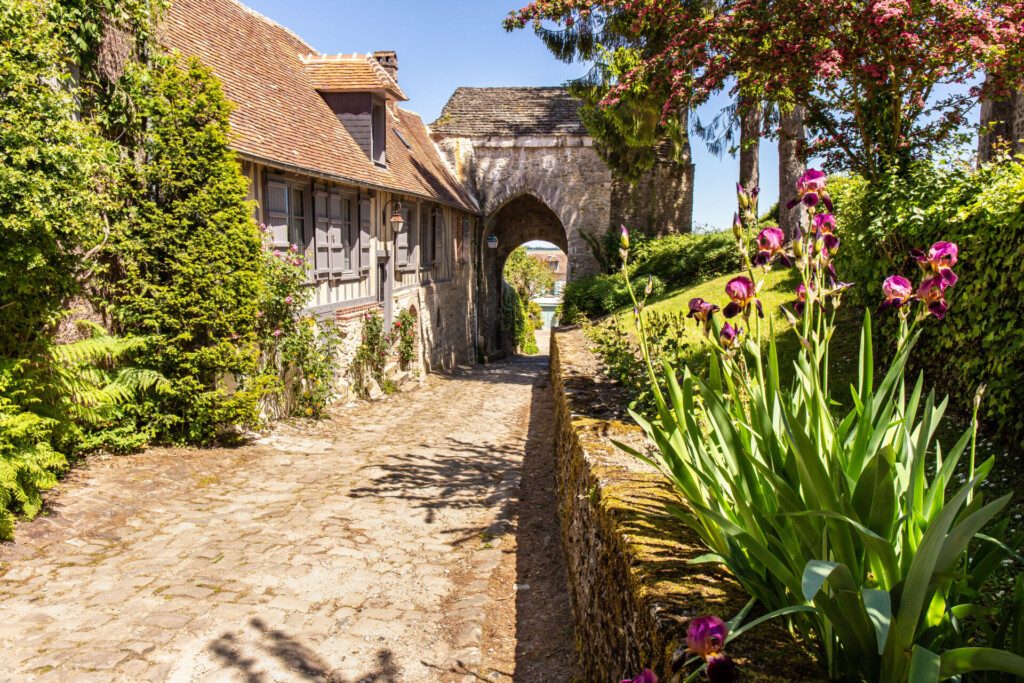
<point x="631" y="586"/>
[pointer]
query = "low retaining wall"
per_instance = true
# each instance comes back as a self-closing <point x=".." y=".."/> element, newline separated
<point x="632" y="590"/>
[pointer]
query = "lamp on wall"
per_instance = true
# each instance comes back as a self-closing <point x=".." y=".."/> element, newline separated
<point x="492" y="241"/>
<point x="397" y="221"/>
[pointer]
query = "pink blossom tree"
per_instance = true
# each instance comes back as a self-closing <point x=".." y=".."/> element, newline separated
<point x="881" y="82"/>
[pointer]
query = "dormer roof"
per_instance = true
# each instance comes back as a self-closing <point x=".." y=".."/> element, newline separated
<point x="350" y="73"/>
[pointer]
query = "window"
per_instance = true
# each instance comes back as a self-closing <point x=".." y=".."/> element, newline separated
<point x="378" y="129"/>
<point x="286" y="213"/>
<point x="337" y="235"/>
<point x="297" y="217"/>
<point x="465" y="241"/>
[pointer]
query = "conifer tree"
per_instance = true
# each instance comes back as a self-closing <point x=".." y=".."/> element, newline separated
<point x="187" y="269"/>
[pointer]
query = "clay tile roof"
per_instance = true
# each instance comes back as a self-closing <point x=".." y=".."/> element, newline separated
<point x="509" y="112"/>
<point x="416" y="163"/>
<point x="279" y="116"/>
<point x="349" y="73"/>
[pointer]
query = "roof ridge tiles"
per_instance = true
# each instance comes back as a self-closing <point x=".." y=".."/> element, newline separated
<point x="264" y="18"/>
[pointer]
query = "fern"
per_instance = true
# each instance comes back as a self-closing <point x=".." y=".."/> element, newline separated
<point x="53" y="404"/>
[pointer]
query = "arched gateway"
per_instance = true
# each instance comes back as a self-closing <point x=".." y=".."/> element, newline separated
<point x="528" y="160"/>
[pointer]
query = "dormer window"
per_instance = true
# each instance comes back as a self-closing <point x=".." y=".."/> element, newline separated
<point x="358" y="89"/>
<point x="378" y="133"/>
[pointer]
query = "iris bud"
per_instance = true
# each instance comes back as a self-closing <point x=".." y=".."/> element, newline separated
<point x="737" y="226"/>
<point x="624" y="238"/>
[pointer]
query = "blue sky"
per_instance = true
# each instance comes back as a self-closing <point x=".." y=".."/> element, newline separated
<point x="443" y="44"/>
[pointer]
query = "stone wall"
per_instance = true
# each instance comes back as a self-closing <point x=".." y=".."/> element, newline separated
<point x="564" y="172"/>
<point x="631" y="588"/>
<point x="659" y="203"/>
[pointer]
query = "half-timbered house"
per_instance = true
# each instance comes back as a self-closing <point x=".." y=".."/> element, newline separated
<point x="340" y="170"/>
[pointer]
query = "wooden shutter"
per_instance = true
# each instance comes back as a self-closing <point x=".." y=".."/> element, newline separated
<point x="365" y="234"/>
<point x="277" y="213"/>
<point x="439" y="250"/>
<point x="402" y="240"/>
<point x="338" y="220"/>
<point x="321" y="239"/>
<point x="426" y="238"/>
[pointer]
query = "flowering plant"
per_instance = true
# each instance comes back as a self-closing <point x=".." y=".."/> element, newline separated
<point x="831" y="519"/>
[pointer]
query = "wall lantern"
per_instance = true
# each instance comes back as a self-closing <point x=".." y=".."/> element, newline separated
<point x="492" y="242"/>
<point x="397" y="220"/>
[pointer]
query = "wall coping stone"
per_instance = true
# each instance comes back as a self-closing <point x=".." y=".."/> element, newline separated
<point x="631" y="588"/>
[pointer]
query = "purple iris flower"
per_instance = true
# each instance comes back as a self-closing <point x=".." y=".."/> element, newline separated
<point x="701" y="310"/>
<point x="705" y="636"/>
<point x="824" y="223"/>
<point x="824" y="229"/>
<point x="728" y="337"/>
<point x="932" y="294"/>
<point x="743" y="293"/>
<point x="939" y="259"/>
<point x="801" y="299"/>
<point x="646" y="677"/>
<point x="769" y="247"/>
<point x="897" y="291"/>
<point x="810" y="189"/>
<point x="721" y="669"/>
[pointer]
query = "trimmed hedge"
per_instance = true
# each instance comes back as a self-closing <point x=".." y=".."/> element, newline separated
<point x="982" y="338"/>
<point x="672" y="261"/>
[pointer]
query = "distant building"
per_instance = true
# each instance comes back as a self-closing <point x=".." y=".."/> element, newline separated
<point x="556" y="260"/>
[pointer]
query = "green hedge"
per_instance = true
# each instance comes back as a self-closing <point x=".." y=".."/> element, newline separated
<point x="672" y="261"/>
<point x="982" y="337"/>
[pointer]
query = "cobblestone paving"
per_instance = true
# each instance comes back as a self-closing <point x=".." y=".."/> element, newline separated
<point x="354" y="549"/>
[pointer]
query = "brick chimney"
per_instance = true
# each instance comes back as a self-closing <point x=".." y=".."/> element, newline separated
<point x="389" y="60"/>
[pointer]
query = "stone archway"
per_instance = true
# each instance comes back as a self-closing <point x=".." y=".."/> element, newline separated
<point x="518" y="220"/>
<point x="505" y="144"/>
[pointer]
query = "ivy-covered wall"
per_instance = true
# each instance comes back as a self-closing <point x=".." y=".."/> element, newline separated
<point x="632" y="589"/>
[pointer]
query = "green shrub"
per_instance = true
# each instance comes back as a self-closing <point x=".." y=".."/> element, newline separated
<point x="405" y="334"/>
<point x="515" y="321"/>
<point x="671" y="262"/>
<point x="187" y="267"/>
<point x="854" y="523"/>
<point x="983" y="212"/>
<point x="51" y="170"/>
<point x="371" y="357"/>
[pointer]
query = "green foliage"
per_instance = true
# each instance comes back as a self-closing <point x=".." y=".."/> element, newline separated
<point x="530" y="277"/>
<point x="671" y="262"/>
<point x="845" y="516"/>
<point x="983" y="212"/>
<point x="371" y="357"/>
<point x="311" y="365"/>
<point x="405" y="334"/>
<point x="667" y="341"/>
<point x="300" y="362"/>
<point x="186" y="269"/>
<point x="515" y="321"/>
<point x="64" y="401"/>
<point x="51" y="170"/>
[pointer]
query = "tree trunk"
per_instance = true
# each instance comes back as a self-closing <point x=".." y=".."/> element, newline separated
<point x="792" y="137"/>
<point x="1002" y="126"/>
<point x="750" y="139"/>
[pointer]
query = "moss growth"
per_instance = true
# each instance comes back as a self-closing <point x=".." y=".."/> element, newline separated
<point x="632" y="584"/>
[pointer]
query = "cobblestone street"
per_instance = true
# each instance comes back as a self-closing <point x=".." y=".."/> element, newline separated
<point x="361" y="548"/>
